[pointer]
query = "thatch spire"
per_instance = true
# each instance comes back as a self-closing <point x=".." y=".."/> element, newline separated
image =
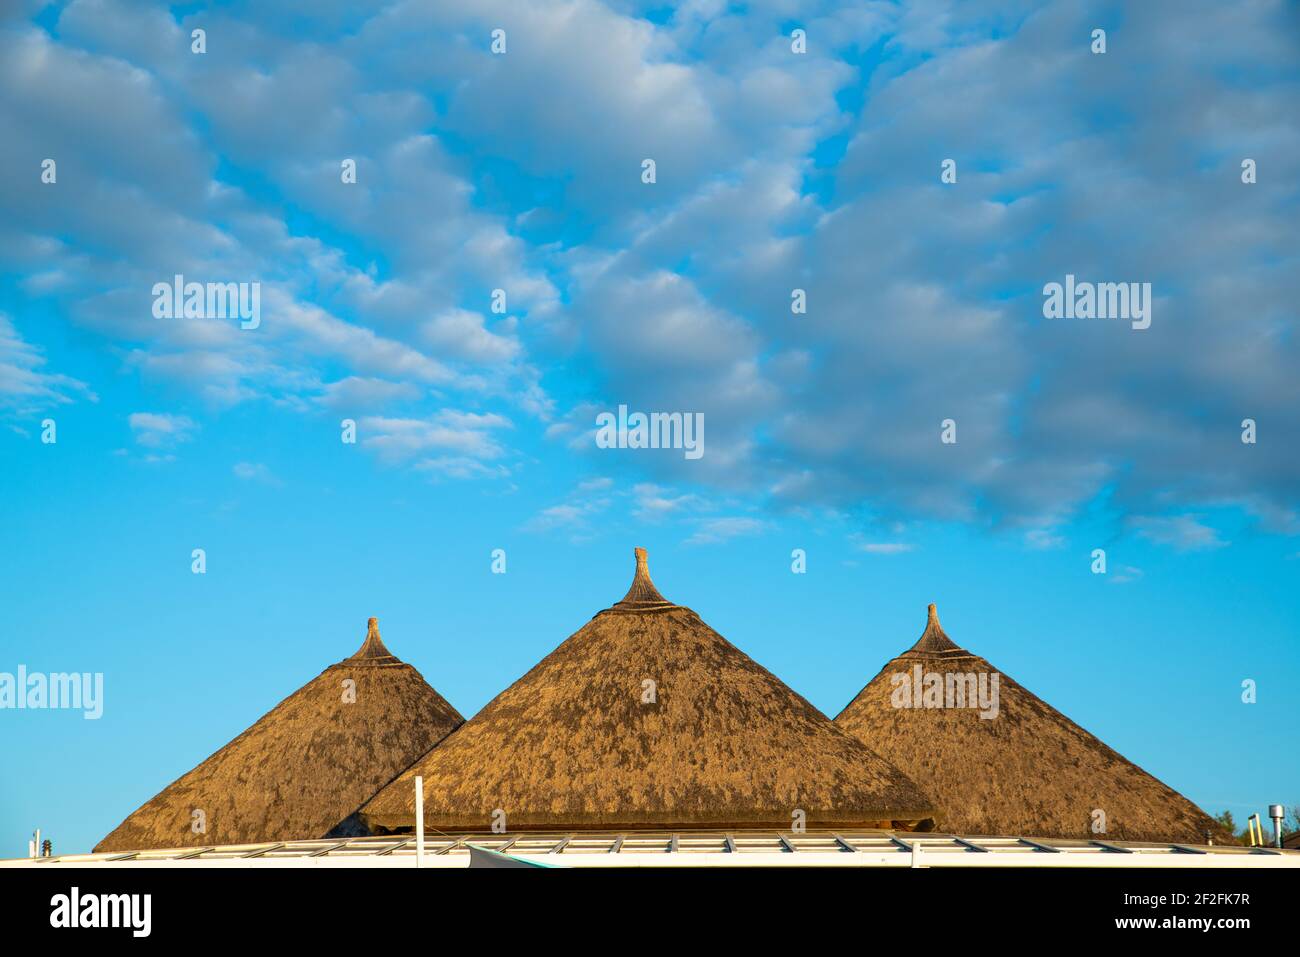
<point x="372" y="650"/>
<point x="305" y="767"/>
<point x="934" y="640"/>
<point x="1016" y="767"/>
<point x="642" y="596"/>
<point x="647" y="718"/>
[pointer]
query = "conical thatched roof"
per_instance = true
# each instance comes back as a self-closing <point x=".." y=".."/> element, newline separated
<point x="307" y="765"/>
<point x="648" y="718"/>
<point x="1027" y="770"/>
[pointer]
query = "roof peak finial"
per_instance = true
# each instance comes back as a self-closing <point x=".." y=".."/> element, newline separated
<point x="373" y="646"/>
<point x="933" y="639"/>
<point x="643" y="593"/>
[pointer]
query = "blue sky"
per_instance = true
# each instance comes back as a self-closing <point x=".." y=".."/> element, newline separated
<point x="522" y="172"/>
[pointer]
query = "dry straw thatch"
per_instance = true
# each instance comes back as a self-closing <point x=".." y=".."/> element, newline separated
<point x="582" y="741"/>
<point x="307" y="765"/>
<point x="1030" y="770"/>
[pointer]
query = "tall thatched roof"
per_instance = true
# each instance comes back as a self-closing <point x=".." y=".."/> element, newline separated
<point x="648" y="718"/>
<point x="307" y="765"/>
<point x="1027" y="770"/>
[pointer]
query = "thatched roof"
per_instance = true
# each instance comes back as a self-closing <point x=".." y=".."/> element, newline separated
<point x="307" y="765"/>
<point x="1028" y="770"/>
<point x="581" y="742"/>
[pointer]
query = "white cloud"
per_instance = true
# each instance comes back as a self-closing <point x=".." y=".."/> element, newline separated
<point x="362" y="347"/>
<point x="460" y="467"/>
<point x="1043" y="538"/>
<point x="136" y="178"/>
<point x="1126" y="575"/>
<point x="1183" y="532"/>
<point x="654" y="502"/>
<point x="923" y="299"/>
<point x="886" y="548"/>
<point x="462" y="333"/>
<point x="465" y="434"/>
<point x="589" y="498"/>
<point x="254" y="472"/>
<point x="715" y="530"/>
<point x="25" y="386"/>
<point x="564" y="515"/>
<point x="160" y="429"/>
<point x="360" y="393"/>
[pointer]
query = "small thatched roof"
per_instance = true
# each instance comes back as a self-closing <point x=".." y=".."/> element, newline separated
<point x="1027" y="770"/>
<point x="307" y="765"/>
<point x="648" y="718"/>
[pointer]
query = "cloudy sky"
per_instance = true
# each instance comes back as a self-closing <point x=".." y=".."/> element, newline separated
<point x="522" y="171"/>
